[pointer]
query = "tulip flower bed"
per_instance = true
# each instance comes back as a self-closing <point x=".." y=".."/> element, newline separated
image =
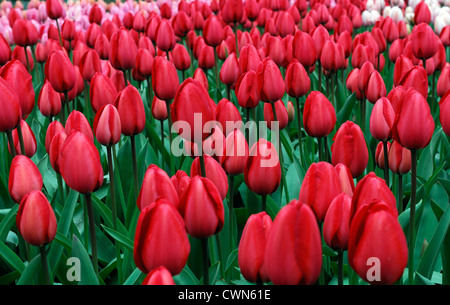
<point x="226" y="142"/>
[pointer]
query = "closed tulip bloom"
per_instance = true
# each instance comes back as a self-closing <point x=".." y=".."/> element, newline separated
<point x="303" y="49"/>
<point x="252" y="247"/>
<point x="246" y="92"/>
<point x="293" y="249"/>
<point x="379" y="154"/>
<point x="214" y="172"/>
<point x="424" y="41"/>
<point x="29" y="140"/>
<point x="5" y="51"/>
<point x="228" y="116"/>
<point x="262" y="172"/>
<point x="159" y="109"/>
<point x="332" y="56"/>
<point x="337" y="222"/>
<point x="232" y="10"/>
<point x="24" y="33"/>
<point x="416" y="78"/>
<point x="402" y="65"/>
<point x="60" y="72"/>
<point x="165" y="36"/>
<point x="396" y="50"/>
<point x="10" y="109"/>
<point x="399" y="159"/>
<point x="55" y="147"/>
<point x="444" y="110"/>
<point x="443" y="83"/>
<point x="55" y="9"/>
<point x="131" y="110"/>
<point x="139" y="22"/>
<point x="372" y="188"/>
<point x="363" y="76"/>
<point x="375" y="88"/>
<point x="181" y="58"/>
<point x="413" y="108"/>
<point x="24" y="177"/>
<point x="235" y="153"/>
<point x="319" y="187"/>
<point x="202" y="208"/>
<point x="319" y="116"/>
<point x="101" y="91"/>
<point x="107" y="127"/>
<point x="123" y="50"/>
<point x="345" y="178"/>
<point x="159" y="276"/>
<point x="422" y="13"/>
<point x="249" y="58"/>
<point x="276" y="50"/>
<point x="376" y="232"/>
<point x="36" y="220"/>
<point x="229" y="73"/>
<point x="269" y="81"/>
<point x="52" y="129"/>
<point x="281" y="112"/>
<point x="92" y="33"/>
<point x="164" y="79"/>
<point x="350" y="148"/>
<point x="95" y="14"/>
<point x="102" y="46"/>
<point x="382" y="119"/>
<point x="297" y="79"/>
<point x="191" y="101"/>
<point x="206" y="59"/>
<point x="90" y="64"/>
<point x="213" y="31"/>
<point x="180" y="181"/>
<point x="156" y="184"/>
<point x="80" y="164"/>
<point x="157" y="224"/>
<point x="49" y="101"/>
<point x="20" y="81"/>
<point x="78" y="121"/>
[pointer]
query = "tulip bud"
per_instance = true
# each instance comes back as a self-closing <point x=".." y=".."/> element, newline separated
<point x="157" y="224"/>
<point x="180" y="181"/>
<point x="319" y="116"/>
<point x="294" y="248"/>
<point x="350" y="148"/>
<point x="382" y="119"/>
<point x="107" y="127"/>
<point x="5" y="51"/>
<point x="202" y="208"/>
<point x="165" y="36"/>
<point x="24" y="177"/>
<point x="416" y="78"/>
<point x="337" y="222"/>
<point x="131" y="110"/>
<point x="304" y="50"/>
<point x="297" y="79"/>
<point x="77" y="121"/>
<point x="181" y="58"/>
<point x="443" y="83"/>
<point x="269" y="81"/>
<point x="29" y="140"/>
<point x="228" y="116"/>
<point x="214" y="172"/>
<point x="379" y="154"/>
<point x="55" y="9"/>
<point x="55" y="147"/>
<point x="159" y="109"/>
<point x="213" y="31"/>
<point x="345" y="178"/>
<point x="123" y="50"/>
<point x="36" y="220"/>
<point x="79" y="163"/>
<point x="229" y="73"/>
<point x="252" y="247"/>
<point x="49" y="101"/>
<point x="11" y="112"/>
<point x="246" y="92"/>
<point x="424" y="41"/>
<point x="159" y="276"/>
<point x="375" y="88"/>
<point x="262" y="172"/>
<point x="399" y="159"/>
<point x="422" y="13"/>
<point x="235" y="153"/>
<point x="102" y="91"/>
<point x="95" y="14"/>
<point x="90" y="64"/>
<point x="281" y="113"/>
<point x="60" y="72"/>
<point x="164" y="79"/>
<point x="444" y="107"/>
<point x="232" y="10"/>
<point x="376" y="224"/>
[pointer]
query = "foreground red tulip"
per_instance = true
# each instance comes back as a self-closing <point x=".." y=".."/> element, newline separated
<point x="214" y="172"/>
<point x="156" y="184"/>
<point x="107" y="127"/>
<point x="55" y="9"/>
<point x="319" y="116"/>
<point x="377" y="248"/>
<point x="35" y="219"/>
<point x="337" y="222"/>
<point x="24" y="177"/>
<point x="131" y="110"/>
<point x="202" y="208"/>
<point x="213" y="31"/>
<point x="424" y="41"/>
<point x="159" y="276"/>
<point x="346" y="179"/>
<point x="102" y="91"/>
<point x="157" y="224"/>
<point x="60" y="72"/>
<point x="297" y="79"/>
<point x="10" y="110"/>
<point x="349" y="148"/>
<point x="29" y="140"/>
<point x="252" y="247"/>
<point x="294" y="248"/>
<point x="319" y="187"/>
<point x="80" y="163"/>
<point x="262" y="172"/>
<point x="399" y="159"/>
<point x="78" y="121"/>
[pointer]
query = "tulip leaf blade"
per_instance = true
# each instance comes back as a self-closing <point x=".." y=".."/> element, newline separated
<point x="122" y="239"/>
<point x="7" y="222"/>
<point x="11" y="258"/>
<point x="87" y="273"/>
<point x="344" y="113"/>
<point x="134" y="276"/>
<point x="29" y="274"/>
<point x="185" y="277"/>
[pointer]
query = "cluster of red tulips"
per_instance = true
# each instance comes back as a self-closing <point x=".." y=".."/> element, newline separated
<point x="153" y="117"/>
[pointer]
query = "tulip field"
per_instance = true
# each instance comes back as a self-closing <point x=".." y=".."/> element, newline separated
<point x="225" y="142"/>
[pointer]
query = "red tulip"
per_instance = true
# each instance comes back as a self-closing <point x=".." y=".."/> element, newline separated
<point x="232" y="10"/>
<point x="123" y="50"/>
<point x="24" y="33"/>
<point x="107" y="127"/>
<point x="102" y="91"/>
<point x="319" y="187"/>
<point x="90" y="64"/>
<point x="139" y="22"/>
<point x="416" y="78"/>
<point x="443" y="83"/>
<point x="55" y="147"/>
<point x="379" y="154"/>
<point x="11" y="112"/>
<point x="319" y="116"/>
<point x="192" y="106"/>
<point x="382" y="119"/>
<point x="36" y="220"/>
<point x="303" y="49"/>
<point x="213" y="31"/>
<point x="182" y="24"/>
<point x="164" y="79"/>
<point x="49" y="101"/>
<point x="235" y="153"/>
<point x="276" y="50"/>
<point x="364" y="74"/>
<point x="294" y="248"/>
<point x="165" y="36"/>
<point x="422" y="13"/>
<point x="205" y="56"/>
<point x="159" y="276"/>
<point x="5" y="51"/>
<point x="249" y="59"/>
<point x="29" y="140"/>
<point x="229" y="73"/>
<point x="350" y="148"/>
<point x="414" y="108"/>
<point x="281" y="113"/>
<point x="78" y="121"/>
<point x="375" y="88"/>
<point x="399" y="159"/>
<point x="252" y="247"/>
<point x="131" y="110"/>
<point x="402" y="65"/>
<point x="55" y="9"/>
<point x="376" y="233"/>
<point x="214" y="172"/>
<point x="79" y="163"/>
<point x="180" y="181"/>
<point x="332" y="56"/>
<point x="262" y="172"/>
<point x="202" y="208"/>
<point x="156" y="184"/>
<point x="200" y="76"/>
<point x="157" y="224"/>
<point x="337" y="222"/>
<point x="181" y="58"/>
<point x="52" y="129"/>
<point x="159" y="109"/>
<point x="92" y="33"/>
<point x="246" y="92"/>
<point x="228" y="116"/>
<point x="444" y="107"/>
<point x="345" y="178"/>
<point x="24" y="177"/>
<point x="297" y="79"/>
<point x="424" y="41"/>
<point x="60" y="72"/>
<point x="95" y="14"/>
<point x="269" y="81"/>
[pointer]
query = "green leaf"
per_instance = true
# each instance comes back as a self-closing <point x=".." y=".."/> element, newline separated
<point x="88" y="276"/>
<point x="431" y="253"/>
<point x="421" y="280"/>
<point x="425" y="164"/>
<point x="11" y="258"/>
<point x="8" y="221"/>
<point x="134" y="276"/>
<point x="29" y="274"/>
<point x="344" y="113"/>
<point x="186" y="277"/>
<point x="122" y="239"/>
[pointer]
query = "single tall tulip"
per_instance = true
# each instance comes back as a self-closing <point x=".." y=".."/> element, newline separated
<point x="24" y="177"/>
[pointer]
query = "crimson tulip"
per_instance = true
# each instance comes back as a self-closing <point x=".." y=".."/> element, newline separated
<point x="123" y="50"/>
<point x="345" y="178"/>
<point x="246" y="92"/>
<point x="52" y="129"/>
<point x="29" y="140"/>
<point x="229" y="73"/>
<point x="11" y="111"/>
<point x="55" y="147"/>
<point x="444" y="107"/>
<point x="49" y="101"/>
<point x="77" y="121"/>
<point x="269" y="81"/>
<point x="107" y="127"/>
<point x="131" y="110"/>
<point x="336" y="224"/>
<point x="60" y="72"/>
<point x="319" y="116"/>
<point x="281" y="114"/>
<point x="228" y="116"/>
<point x="164" y="79"/>
<point x="424" y="41"/>
<point x="213" y="31"/>
<point x="235" y="153"/>
<point x="159" y="276"/>
<point x="180" y="181"/>
<point x="214" y="172"/>
<point x="297" y="80"/>
<point x="55" y="9"/>
<point x="90" y="64"/>
<point x="24" y="177"/>
<point x="382" y="119"/>
<point x="101" y="91"/>
<point x="165" y="36"/>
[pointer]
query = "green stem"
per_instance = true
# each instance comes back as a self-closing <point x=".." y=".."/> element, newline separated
<point x="162" y="143"/>
<point x="400" y="194"/>
<point x="204" y="244"/>
<point x="87" y="103"/>
<point x="93" y="236"/>
<point x="28" y="61"/>
<point x="299" y="128"/>
<point x="219" y="252"/>
<point x="216" y="73"/>
<point x="135" y="170"/>
<point x="45" y="265"/>
<point x="263" y="203"/>
<point x="340" y="267"/>
<point x="21" y="142"/>
<point x="11" y="144"/>
<point x="169" y="121"/>
<point x="319" y="142"/>
<point x="412" y="216"/>
<point x="60" y="189"/>
<point x="202" y="165"/>
<point x="59" y="33"/>
<point x="386" y="162"/>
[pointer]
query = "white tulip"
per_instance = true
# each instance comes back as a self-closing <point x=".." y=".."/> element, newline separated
<point x="396" y="14"/>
